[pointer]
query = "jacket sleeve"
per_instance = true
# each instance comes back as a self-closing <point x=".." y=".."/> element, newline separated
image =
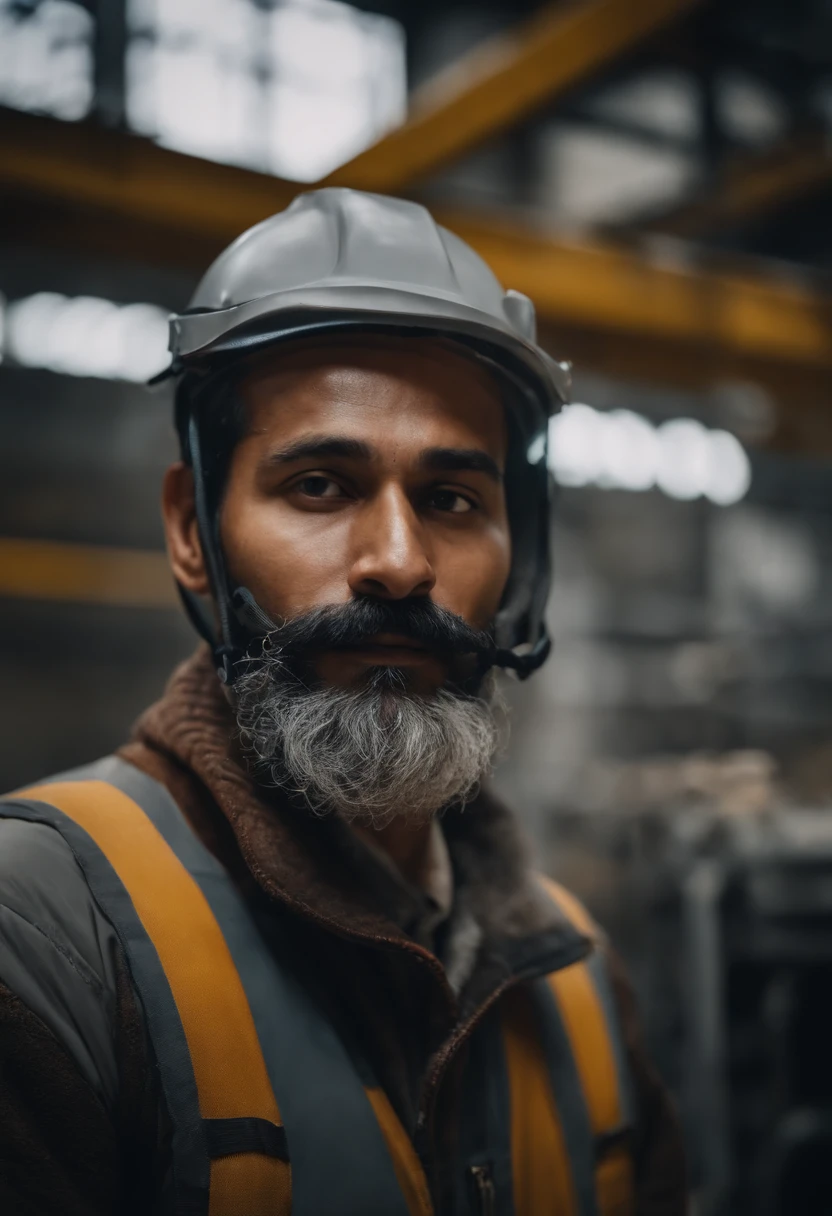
<point x="77" y="1107"/>
<point x="661" y="1171"/>
<point x="58" y="1150"/>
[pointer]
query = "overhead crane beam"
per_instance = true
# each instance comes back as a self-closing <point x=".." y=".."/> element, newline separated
<point x="503" y="81"/>
<point x="750" y="311"/>
<point x="133" y="180"/>
<point x="123" y="194"/>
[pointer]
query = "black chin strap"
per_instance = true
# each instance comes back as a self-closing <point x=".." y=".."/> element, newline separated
<point x="524" y="664"/>
<point x="242" y="620"/>
<point x="226" y="648"/>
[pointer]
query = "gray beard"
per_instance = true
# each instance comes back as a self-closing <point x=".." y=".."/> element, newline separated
<point x="370" y="754"/>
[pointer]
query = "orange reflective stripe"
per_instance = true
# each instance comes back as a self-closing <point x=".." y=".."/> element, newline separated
<point x="615" y="1183"/>
<point x="228" y="1064"/>
<point x="408" y="1167"/>
<point x="586" y="1023"/>
<point x="571" y="907"/>
<point x="541" y="1170"/>
<point x="589" y="1034"/>
<point x="586" y="1026"/>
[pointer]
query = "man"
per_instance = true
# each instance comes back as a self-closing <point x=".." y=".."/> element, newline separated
<point x="283" y="953"/>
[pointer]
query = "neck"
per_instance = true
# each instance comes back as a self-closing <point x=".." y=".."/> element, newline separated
<point x="406" y="846"/>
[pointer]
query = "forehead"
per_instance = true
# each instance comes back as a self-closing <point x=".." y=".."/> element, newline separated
<point x="417" y="391"/>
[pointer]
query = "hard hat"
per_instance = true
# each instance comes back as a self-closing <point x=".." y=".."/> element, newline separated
<point x="340" y="259"/>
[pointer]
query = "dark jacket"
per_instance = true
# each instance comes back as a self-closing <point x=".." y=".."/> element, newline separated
<point x="83" y="1128"/>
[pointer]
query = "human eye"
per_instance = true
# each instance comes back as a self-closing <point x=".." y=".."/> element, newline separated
<point x="451" y="501"/>
<point x="318" y="485"/>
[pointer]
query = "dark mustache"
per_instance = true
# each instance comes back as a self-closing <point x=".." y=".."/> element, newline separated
<point x="338" y="626"/>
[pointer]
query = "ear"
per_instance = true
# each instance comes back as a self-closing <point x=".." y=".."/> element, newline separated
<point x="181" y="531"/>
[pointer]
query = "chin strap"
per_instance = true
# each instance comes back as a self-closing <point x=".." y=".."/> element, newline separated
<point x="227" y="648"/>
<point x="242" y="620"/>
<point x="524" y="664"/>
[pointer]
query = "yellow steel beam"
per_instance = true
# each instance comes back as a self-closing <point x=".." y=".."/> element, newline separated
<point x="131" y="178"/>
<point x="503" y="81"/>
<point x="748" y="189"/>
<point x="76" y="192"/>
<point x="47" y="570"/>
<point x="608" y="288"/>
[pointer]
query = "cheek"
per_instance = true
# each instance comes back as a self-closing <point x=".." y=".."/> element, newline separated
<point x="287" y="560"/>
<point x="471" y="576"/>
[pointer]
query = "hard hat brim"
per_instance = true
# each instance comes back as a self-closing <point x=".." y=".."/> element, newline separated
<point x="200" y="338"/>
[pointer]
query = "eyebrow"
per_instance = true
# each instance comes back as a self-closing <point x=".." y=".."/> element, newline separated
<point x="452" y="460"/>
<point x="322" y="447"/>
<point x="435" y="460"/>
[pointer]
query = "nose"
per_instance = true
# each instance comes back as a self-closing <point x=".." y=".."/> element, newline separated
<point x="391" y="556"/>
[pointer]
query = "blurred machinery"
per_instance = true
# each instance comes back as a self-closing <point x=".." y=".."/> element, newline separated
<point x="719" y="895"/>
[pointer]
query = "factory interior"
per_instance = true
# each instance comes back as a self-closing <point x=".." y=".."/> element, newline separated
<point x="657" y="176"/>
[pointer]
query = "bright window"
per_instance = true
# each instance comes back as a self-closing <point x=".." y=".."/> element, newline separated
<point x="46" y="60"/>
<point x="296" y="89"/>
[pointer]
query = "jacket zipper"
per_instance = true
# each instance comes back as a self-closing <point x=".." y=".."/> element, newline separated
<point x="485" y="1194"/>
<point x="565" y="959"/>
<point x="423" y="1140"/>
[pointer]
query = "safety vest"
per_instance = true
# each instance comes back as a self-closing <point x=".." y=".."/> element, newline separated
<point x="269" y="1113"/>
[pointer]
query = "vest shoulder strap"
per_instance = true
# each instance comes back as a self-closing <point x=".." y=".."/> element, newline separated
<point x="587" y="1011"/>
<point x="242" y="1048"/>
<point x="229" y="1145"/>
